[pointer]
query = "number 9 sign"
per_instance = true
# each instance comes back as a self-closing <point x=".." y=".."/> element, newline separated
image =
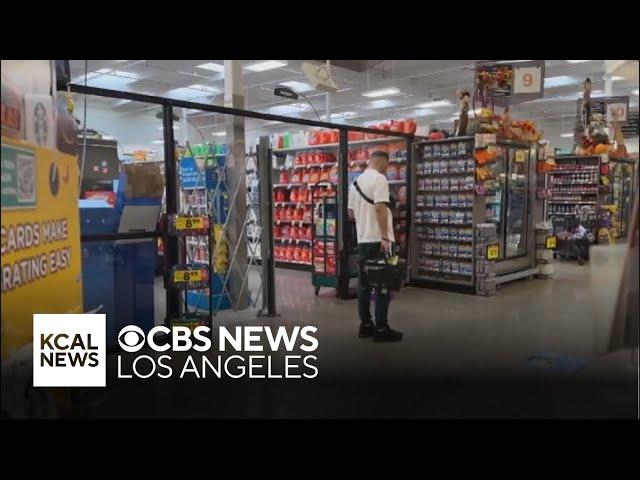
<point x="527" y="80"/>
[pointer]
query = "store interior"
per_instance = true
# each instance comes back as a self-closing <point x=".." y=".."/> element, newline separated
<point x="514" y="215"/>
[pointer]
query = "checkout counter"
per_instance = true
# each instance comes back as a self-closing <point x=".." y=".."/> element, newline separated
<point x="118" y="274"/>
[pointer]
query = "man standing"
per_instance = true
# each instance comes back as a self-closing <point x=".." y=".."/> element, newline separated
<point x="369" y="204"/>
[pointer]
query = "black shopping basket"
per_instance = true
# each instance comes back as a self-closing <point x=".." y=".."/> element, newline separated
<point x="381" y="274"/>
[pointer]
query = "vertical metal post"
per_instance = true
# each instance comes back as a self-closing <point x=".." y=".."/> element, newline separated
<point x="263" y="155"/>
<point x="236" y="180"/>
<point x="171" y="199"/>
<point x="343" y="228"/>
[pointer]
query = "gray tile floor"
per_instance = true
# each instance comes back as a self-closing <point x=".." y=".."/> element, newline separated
<point x="462" y="356"/>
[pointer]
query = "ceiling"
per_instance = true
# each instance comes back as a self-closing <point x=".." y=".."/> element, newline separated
<point x="418" y="81"/>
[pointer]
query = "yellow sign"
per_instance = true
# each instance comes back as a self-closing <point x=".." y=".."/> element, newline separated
<point x="551" y="242"/>
<point x="41" y="257"/>
<point x="180" y="276"/>
<point x="493" y="251"/>
<point x="520" y="156"/>
<point x="190" y="223"/>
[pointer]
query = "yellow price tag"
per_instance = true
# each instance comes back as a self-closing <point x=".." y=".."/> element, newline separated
<point x="190" y="223"/>
<point x="551" y="242"/>
<point x="520" y="156"/>
<point x="180" y="276"/>
<point x="493" y="251"/>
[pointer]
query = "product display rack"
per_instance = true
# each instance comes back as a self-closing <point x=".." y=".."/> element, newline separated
<point x="324" y="237"/>
<point x="622" y="178"/>
<point x="459" y="184"/>
<point x="575" y="192"/>
<point x="295" y="169"/>
<point x="441" y="246"/>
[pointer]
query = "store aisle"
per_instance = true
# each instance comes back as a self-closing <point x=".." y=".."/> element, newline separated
<point x="462" y="356"/>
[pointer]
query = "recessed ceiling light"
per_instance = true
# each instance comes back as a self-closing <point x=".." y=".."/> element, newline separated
<point x="341" y="115"/>
<point x="615" y="78"/>
<point x="578" y="61"/>
<point x="158" y="141"/>
<point x="214" y="67"/>
<point x="380" y="104"/>
<point x="566" y="135"/>
<point x="187" y="93"/>
<point x="175" y="127"/>
<point x="381" y="92"/>
<point x="266" y="65"/>
<point x="221" y="133"/>
<point x="299" y="87"/>
<point x="204" y="88"/>
<point x="635" y="92"/>
<point x="434" y="104"/>
<point x="290" y="108"/>
<point x="559" y="81"/>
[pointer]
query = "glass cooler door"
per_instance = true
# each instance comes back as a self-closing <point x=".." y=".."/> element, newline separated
<point x="515" y="230"/>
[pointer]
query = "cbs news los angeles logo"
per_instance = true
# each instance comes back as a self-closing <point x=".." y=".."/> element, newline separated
<point x="69" y="350"/>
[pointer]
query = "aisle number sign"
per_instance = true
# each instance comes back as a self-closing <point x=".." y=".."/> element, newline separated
<point x="185" y="276"/>
<point x="551" y="242"/>
<point x="527" y="79"/>
<point x="617" y="112"/>
<point x="41" y="256"/>
<point x="520" y="156"/>
<point x="493" y="251"/>
<point x="191" y="223"/>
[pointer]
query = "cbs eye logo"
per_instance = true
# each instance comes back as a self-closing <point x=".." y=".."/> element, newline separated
<point x="131" y="338"/>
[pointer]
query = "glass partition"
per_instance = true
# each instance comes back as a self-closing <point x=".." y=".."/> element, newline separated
<point x="516" y="203"/>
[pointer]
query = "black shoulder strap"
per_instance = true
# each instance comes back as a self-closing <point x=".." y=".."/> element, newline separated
<point x="355" y="184"/>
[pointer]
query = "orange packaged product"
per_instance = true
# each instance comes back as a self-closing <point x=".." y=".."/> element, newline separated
<point x="314" y="177"/>
<point x="289" y="214"/>
<point x="295" y="178"/>
<point x="297" y="214"/>
<point x="324" y="174"/>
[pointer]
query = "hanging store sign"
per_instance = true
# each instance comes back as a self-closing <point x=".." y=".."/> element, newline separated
<point x="190" y="174"/>
<point x="613" y="109"/>
<point x="505" y="84"/>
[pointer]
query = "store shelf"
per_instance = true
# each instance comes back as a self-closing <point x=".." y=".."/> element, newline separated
<point x="448" y="257"/>
<point x="325" y="146"/>
<point x="293" y="240"/>
<point x="445" y="191"/>
<point x="460" y="225"/>
<point x="311" y="165"/>
<point x="396" y="182"/>
<point x="576" y="192"/>
<point x="445" y="174"/>
<point x="443" y="240"/>
<point x="447" y="207"/>
<point x="284" y="204"/>
<point x="294" y="185"/>
<point x="292" y="222"/>
<point x="573" y="202"/>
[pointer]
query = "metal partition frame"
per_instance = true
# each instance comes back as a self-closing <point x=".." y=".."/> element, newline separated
<point x="172" y="193"/>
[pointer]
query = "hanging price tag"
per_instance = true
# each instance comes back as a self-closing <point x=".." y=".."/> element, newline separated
<point x="184" y="276"/>
<point x="191" y="223"/>
<point x="520" y="156"/>
<point x="551" y="242"/>
<point x="493" y="251"/>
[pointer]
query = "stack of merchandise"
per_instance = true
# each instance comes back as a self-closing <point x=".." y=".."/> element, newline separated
<point x="544" y="255"/>
<point x="221" y="249"/>
<point x="485" y="269"/>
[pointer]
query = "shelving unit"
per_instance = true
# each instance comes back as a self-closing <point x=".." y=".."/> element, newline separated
<point x="574" y="187"/>
<point x="296" y="169"/>
<point x="459" y="184"/>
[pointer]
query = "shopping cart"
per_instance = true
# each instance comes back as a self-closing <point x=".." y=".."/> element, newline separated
<point x="572" y="248"/>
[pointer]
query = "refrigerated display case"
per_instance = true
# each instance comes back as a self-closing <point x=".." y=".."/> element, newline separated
<point x="623" y="175"/>
<point x="459" y="183"/>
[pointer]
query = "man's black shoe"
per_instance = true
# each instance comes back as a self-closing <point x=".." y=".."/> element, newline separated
<point x="366" y="330"/>
<point x="386" y="334"/>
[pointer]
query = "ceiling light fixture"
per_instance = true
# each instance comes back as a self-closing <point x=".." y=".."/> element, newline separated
<point x="221" y="133"/>
<point x="559" y="81"/>
<point x="214" y="67"/>
<point x="299" y="87"/>
<point x="266" y="65"/>
<point x="578" y="61"/>
<point x="566" y="135"/>
<point x="616" y="78"/>
<point x="635" y="92"/>
<point x="382" y="92"/>
<point x="204" y="88"/>
<point x="435" y="104"/>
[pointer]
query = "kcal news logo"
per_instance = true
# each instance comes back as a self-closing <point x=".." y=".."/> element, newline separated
<point x="69" y="350"/>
